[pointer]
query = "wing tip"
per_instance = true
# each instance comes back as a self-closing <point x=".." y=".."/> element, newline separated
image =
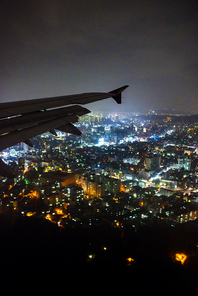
<point x="117" y="93"/>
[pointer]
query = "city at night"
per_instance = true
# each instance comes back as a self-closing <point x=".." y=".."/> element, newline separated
<point x="99" y="181"/>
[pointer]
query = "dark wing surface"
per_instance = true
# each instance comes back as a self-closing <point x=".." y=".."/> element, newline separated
<point x="22" y="120"/>
<point x="29" y="106"/>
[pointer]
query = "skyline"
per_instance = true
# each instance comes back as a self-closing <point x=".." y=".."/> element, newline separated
<point x="61" y="48"/>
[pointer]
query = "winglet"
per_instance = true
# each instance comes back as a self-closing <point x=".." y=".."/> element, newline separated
<point x="116" y="93"/>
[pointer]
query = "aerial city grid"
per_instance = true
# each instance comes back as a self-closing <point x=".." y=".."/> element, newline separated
<point x="126" y="172"/>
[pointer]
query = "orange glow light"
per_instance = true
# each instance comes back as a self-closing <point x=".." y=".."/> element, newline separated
<point x="48" y="217"/>
<point x="130" y="259"/>
<point x="180" y="257"/>
<point x="59" y="211"/>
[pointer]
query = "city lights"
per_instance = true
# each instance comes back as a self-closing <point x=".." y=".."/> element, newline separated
<point x="122" y="176"/>
<point x="90" y="257"/>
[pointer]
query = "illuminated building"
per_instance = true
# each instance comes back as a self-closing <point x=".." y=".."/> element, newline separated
<point x="73" y="193"/>
<point x="112" y="185"/>
<point x="92" y="188"/>
<point x="186" y="215"/>
<point x="46" y="163"/>
<point x="184" y="162"/>
<point x="153" y="162"/>
<point x="53" y="200"/>
<point x="68" y="179"/>
<point x="169" y="184"/>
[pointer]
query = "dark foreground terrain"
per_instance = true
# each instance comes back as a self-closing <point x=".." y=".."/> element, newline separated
<point x="36" y="251"/>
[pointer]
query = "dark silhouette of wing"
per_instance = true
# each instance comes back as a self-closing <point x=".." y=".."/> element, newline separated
<point x="22" y="120"/>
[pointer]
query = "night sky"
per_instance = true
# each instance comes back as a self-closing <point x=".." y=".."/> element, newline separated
<point x="51" y="48"/>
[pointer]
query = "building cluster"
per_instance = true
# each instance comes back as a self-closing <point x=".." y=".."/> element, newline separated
<point x="124" y="170"/>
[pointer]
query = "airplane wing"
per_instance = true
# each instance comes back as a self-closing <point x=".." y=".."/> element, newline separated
<point x="22" y="120"/>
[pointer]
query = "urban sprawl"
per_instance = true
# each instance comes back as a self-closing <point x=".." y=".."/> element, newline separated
<point x="123" y="170"/>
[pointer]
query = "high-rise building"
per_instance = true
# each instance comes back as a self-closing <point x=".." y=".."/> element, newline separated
<point x="148" y="163"/>
<point x="156" y="161"/>
<point x="93" y="188"/>
<point x="153" y="162"/>
<point x="184" y="162"/>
